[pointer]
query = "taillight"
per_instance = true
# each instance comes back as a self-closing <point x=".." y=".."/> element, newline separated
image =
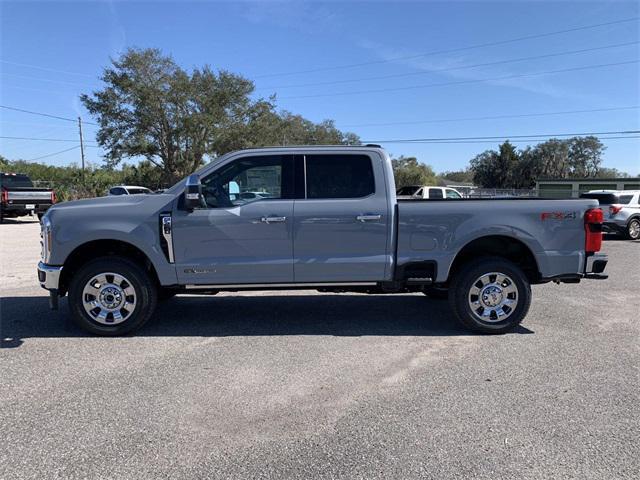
<point x="4" y="197"/>
<point x="593" y="230"/>
<point x="53" y="197"/>
<point x="613" y="209"/>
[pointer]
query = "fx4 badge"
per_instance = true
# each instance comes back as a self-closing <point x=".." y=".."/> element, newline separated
<point x="558" y="216"/>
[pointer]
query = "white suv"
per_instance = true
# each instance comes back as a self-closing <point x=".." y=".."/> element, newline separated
<point x="621" y="210"/>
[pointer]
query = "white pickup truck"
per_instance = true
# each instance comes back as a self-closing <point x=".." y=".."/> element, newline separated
<point x="426" y="192"/>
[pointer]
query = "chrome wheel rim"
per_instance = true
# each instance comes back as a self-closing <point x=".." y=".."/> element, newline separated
<point x="634" y="229"/>
<point x="109" y="298"/>
<point x="493" y="297"/>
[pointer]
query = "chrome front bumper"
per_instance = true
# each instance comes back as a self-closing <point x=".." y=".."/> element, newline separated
<point x="49" y="276"/>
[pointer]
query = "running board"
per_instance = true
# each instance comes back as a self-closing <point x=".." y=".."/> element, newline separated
<point x="249" y="286"/>
<point x="419" y="281"/>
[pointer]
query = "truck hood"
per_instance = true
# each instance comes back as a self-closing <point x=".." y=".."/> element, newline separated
<point x="121" y="201"/>
<point x="127" y="206"/>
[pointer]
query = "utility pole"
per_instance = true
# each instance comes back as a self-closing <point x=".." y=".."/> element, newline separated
<point x="81" y="146"/>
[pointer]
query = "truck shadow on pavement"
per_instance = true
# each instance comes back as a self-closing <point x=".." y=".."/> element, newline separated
<point x="201" y="316"/>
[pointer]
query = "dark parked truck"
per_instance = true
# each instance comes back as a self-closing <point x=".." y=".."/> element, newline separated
<point x="328" y="219"/>
<point x="19" y="197"/>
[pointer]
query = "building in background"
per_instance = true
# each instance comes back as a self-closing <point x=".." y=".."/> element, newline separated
<point x="573" y="187"/>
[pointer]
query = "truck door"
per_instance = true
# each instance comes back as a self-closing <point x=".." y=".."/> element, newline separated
<point x="244" y="234"/>
<point x="341" y="219"/>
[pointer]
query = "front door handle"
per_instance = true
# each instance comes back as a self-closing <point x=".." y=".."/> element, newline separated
<point x="273" y="219"/>
<point x="368" y="218"/>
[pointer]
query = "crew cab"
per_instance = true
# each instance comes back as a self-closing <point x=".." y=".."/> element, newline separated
<point x="331" y="221"/>
<point x="19" y="197"/>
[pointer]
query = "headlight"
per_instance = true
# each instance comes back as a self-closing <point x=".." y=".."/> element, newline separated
<point x="46" y="235"/>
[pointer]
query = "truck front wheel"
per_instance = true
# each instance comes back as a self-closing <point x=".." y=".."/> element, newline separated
<point x="490" y="295"/>
<point x="111" y="296"/>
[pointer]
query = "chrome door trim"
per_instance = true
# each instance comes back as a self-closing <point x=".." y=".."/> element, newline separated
<point x="368" y="218"/>
<point x="273" y="219"/>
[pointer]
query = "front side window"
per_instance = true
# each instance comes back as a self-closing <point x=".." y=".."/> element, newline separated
<point x="248" y="180"/>
<point x="339" y="176"/>
<point x="435" y="193"/>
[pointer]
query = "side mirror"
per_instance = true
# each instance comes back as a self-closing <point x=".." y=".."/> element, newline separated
<point x="193" y="193"/>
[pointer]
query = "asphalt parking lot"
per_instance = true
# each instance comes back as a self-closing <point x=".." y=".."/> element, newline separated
<point x="308" y="385"/>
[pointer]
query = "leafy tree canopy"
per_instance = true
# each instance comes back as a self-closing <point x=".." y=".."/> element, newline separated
<point x="408" y="171"/>
<point x="507" y="168"/>
<point x="152" y="108"/>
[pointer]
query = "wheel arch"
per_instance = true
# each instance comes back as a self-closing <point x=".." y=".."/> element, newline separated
<point x="104" y="248"/>
<point x="502" y="246"/>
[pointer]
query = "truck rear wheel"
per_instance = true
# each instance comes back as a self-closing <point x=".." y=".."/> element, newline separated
<point x="490" y="295"/>
<point x="111" y="296"/>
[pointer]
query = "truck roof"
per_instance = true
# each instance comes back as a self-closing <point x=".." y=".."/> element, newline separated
<point x="368" y="146"/>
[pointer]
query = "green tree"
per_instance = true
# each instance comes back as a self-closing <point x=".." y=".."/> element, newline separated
<point x="493" y="169"/>
<point x="409" y="171"/>
<point x="585" y="156"/>
<point x="152" y="108"/>
<point x="459" y="176"/>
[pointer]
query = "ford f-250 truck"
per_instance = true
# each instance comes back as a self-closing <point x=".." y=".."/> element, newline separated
<point x="328" y="220"/>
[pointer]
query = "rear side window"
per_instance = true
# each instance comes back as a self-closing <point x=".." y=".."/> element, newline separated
<point x="625" y="199"/>
<point x="339" y="176"/>
<point x="117" y="191"/>
<point x="435" y="193"/>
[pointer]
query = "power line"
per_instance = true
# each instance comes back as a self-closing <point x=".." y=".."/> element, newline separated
<point x="451" y="50"/>
<point x="46" y="69"/>
<point x="461" y="82"/>
<point x="74" y="120"/>
<point x="529" y="140"/>
<point x="499" y="137"/>
<point x="63" y="82"/>
<point x="494" y="117"/>
<point x="40" y="139"/>
<point x="52" y="154"/>
<point x="450" y="69"/>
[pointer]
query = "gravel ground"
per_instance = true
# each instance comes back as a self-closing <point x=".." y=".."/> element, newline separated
<point x="309" y="385"/>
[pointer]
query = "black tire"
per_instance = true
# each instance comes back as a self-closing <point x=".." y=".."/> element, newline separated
<point x="633" y="233"/>
<point x="436" y="293"/>
<point x="144" y="288"/>
<point x="460" y="295"/>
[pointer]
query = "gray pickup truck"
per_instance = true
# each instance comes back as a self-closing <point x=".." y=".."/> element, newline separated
<point x="323" y="218"/>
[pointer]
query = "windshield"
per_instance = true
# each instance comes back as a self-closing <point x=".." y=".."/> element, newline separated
<point x="407" y="190"/>
<point x="16" y="181"/>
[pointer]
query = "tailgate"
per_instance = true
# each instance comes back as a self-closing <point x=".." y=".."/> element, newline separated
<point x="24" y="196"/>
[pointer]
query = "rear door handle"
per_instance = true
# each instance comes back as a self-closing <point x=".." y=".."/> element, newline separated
<point x="273" y="219"/>
<point x="368" y="218"/>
